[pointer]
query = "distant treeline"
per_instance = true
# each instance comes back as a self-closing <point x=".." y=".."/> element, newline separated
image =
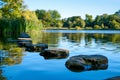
<point x="15" y="18"/>
<point x="52" y="19"/>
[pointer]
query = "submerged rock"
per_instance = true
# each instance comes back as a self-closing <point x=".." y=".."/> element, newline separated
<point x="36" y="47"/>
<point x="24" y="39"/>
<point x="114" y="78"/>
<point x="87" y="62"/>
<point x="23" y="43"/>
<point x="23" y="35"/>
<point x="54" y="53"/>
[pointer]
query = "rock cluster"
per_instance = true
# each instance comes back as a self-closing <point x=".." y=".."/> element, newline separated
<point x="76" y="63"/>
<point x="24" y="40"/>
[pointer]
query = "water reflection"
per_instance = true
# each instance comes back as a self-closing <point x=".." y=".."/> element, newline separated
<point x="11" y="56"/>
<point x="83" y="39"/>
<point x="1" y="76"/>
<point x="77" y="43"/>
<point x="54" y="57"/>
<point x="79" y="69"/>
<point x="53" y="38"/>
<point x="47" y="38"/>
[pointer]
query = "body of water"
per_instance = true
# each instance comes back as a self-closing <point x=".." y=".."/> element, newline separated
<point x="32" y="66"/>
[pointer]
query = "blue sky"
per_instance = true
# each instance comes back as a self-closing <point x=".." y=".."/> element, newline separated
<point x="69" y="8"/>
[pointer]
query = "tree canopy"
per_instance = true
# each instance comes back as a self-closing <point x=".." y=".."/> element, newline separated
<point x="104" y="21"/>
<point x="49" y="18"/>
<point x="11" y="8"/>
<point x="14" y="18"/>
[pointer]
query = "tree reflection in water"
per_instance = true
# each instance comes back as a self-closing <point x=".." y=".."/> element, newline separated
<point x="10" y="57"/>
<point x="1" y="76"/>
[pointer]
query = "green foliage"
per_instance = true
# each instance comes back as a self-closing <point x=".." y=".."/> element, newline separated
<point x="10" y="17"/>
<point x="74" y="21"/>
<point x="104" y="21"/>
<point x="50" y="18"/>
<point x="97" y="27"/>
<point x="14" y="19"/>
<point x="118" y="12"/>
<point x="13" y="55"/>
<point x="78" y="28"/>
<point x="0" y="14"/>
<point x="12" y="8"/>
<point x="115" y="24"/>
<point x="31" y="21"/>
<point x="89" y="20"/>
<point x="11" y="26"/>
<point x="108" y="21"/>
<point x="88" y="28"/>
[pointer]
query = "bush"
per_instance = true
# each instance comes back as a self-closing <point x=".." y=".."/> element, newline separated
<point x="97" y="27"/>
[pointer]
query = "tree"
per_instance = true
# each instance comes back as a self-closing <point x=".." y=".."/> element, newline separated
<point x="0" y="14"/>
<point x="40" y="14"/>
<point x="102" y="21"/>
<point x="59" y="23"/>
<point x="73" y="22"/>
<point x="49" y="18"/>
<point x="89" y="20"/>
<point x="11" y="8"/>
<point x="118" y="12"/>
<point x="31" y="21"/>
<point x="114" y="24"/>
<point x="54" y="14"/>
<point x="97" y="27"/>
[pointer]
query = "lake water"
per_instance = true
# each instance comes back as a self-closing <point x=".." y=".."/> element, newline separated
<point x="32" y="66"/>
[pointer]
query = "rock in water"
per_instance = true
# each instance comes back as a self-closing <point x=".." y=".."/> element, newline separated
<point x="24" y="39"/>
<point x="114" y="78"/>
<point x="87" y="62"/>
<point x="36" y="47"/>
<point x="55" y="53"/>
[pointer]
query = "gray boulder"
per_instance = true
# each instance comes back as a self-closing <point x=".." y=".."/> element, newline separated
<point x="87" y="62"/>
<point x="54" y="53"/>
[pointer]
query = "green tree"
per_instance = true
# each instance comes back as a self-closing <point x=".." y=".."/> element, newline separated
<point x="89" y="21"/>
<point x="49" y="18"/>
<point x="31" y="21"/>
<point x="40" y="14"/>
<point x="10" y="13"/>
<point x="12" y="8"/>
<point x="14" y="19"/>
<point x="102" y="21"/>
<point x="118" y="12"/>
<point x="54" y="14"/>
<point x="114" y="24"/>
<point x="0" y="14"/>
<point x="74" y="21"/>
<point x="97" y="27"/>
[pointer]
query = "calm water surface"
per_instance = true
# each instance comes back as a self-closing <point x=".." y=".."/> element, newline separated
<point x="32" y="66"/>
